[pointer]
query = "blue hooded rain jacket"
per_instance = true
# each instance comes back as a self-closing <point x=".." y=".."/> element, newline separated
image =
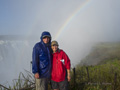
<point x="41" y="57"/>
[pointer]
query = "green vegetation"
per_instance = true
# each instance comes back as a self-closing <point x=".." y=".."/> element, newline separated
<point x="22" y="83"/>
<point x="100" y="70"/>
<point x="102" y="53"/>
<point x="99" y="77"/>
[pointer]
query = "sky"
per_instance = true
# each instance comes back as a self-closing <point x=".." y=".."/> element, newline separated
<point x="29" y="16"/>
<point x="75" y="24"/>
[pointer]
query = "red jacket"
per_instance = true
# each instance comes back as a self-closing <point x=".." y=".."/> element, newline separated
<point x="60" y="63"/>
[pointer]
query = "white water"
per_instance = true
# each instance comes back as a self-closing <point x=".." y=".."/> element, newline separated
<point x="15" y="57"/>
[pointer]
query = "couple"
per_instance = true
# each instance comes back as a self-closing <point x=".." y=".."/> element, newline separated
<point x="50" y="63"/>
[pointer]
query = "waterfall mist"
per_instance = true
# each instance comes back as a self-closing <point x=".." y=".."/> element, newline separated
<point x="95" y="21"/>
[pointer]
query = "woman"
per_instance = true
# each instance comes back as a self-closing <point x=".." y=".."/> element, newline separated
<point x="60" y="74"/>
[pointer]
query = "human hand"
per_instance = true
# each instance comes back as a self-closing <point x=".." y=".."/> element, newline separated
<point x="37" y="75"/>
<point x="69" y="78"/>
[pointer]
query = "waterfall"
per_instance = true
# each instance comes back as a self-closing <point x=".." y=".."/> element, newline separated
<point x="15" y="57"/>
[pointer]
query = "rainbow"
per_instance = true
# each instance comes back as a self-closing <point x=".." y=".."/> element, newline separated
<point x="70" y="18"/>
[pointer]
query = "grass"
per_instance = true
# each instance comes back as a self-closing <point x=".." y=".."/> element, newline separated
<point x="101" y="77"/>
<point x="22" y="83"/>
<point x="100" y="70"/>
<point x="98" y="77"/>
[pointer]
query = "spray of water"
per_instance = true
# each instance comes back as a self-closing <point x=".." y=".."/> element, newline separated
<point x="76" y="25"/>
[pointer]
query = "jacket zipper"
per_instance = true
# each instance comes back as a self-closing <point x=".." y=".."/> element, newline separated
<point x="57" y="63"/>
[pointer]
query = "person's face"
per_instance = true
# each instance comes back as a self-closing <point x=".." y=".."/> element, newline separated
<point x="46" y="40"/>
<point x="54" y="48"/>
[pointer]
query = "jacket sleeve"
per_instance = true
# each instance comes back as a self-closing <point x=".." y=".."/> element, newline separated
<point x="67" y="61"/>
<point x="35" y="60"/>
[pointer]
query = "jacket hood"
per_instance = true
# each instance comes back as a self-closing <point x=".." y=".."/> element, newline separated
<point x="45" y="33"/>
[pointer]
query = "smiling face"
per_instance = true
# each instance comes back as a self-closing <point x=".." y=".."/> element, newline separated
<point x="54" y="48"/>
<point x="46" y="40"/>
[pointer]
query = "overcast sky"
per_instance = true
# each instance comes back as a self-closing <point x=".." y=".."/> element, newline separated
<point x="96" y="20"/>
<point x="26" y="16"/>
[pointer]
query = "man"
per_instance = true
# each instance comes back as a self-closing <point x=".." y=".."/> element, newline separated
<point x="60" y="74"/>
<point x="41" y="61"/>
